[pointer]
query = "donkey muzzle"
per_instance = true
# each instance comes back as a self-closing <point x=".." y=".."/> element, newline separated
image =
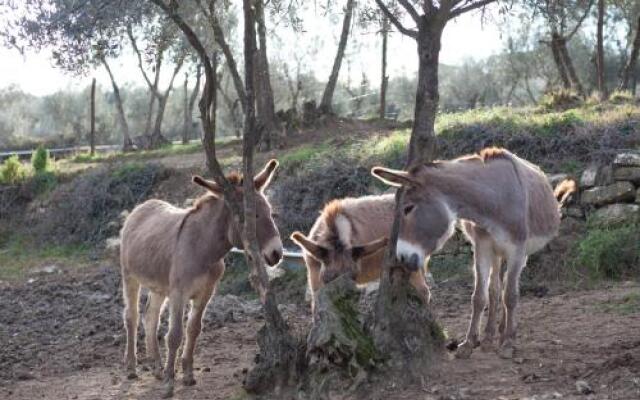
<point x="411" y="263"/>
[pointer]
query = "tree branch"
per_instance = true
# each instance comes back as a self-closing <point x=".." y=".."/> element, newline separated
<point x="461" y="10"/>
<point x="580" y="21"/>
<point x="134" y="45"/>
<point x="411" y="10"/>
<point x="409" y="32"/>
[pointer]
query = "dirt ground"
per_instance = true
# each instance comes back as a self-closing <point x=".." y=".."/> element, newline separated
<point x="61" y="338"/>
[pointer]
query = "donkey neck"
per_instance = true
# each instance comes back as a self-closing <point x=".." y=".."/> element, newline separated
<point x="210" y="222"/>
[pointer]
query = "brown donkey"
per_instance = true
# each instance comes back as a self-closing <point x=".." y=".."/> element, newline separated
<point x="508" y="211"/>
<point x="346" y="238"/>
<point x="178" y="254"/>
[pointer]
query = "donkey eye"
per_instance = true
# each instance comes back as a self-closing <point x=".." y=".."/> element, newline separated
<point x="408" y="209"/>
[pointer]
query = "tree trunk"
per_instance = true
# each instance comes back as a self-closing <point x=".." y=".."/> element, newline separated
<point x="189" y="103"/>
<point x="265" y="103"/>
<point x="398" y="319"/>
<point x="327" y="96"/>
<point x="557" y="59"/>
<point x="231" y="62"/>
<point x="156" y="137"/>
<point x="422" y="147"/>
<point x="92" y="134"/>
<point x="153" y="93"/>
<point x="385" y="79"/>
<point x="185" y="107"/>
<point x="127" y="144"/>
<point x="568" y="64"/>
<point x="600" y="52"/>
<point x="629" y="72"/>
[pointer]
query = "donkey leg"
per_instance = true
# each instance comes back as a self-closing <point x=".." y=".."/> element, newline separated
<point x="510" y="296"/>
<point x="483" y="255"/>
<point x="131" y="293"/>
<point x="155" y="303"/>
<point x="495" y="290"/>
<point x="173" y="339"/>
<point x="419" y="282"/>
<point x="194" y="326"/>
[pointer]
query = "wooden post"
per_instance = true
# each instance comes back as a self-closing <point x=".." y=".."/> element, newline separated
<point x="92" y="134"/>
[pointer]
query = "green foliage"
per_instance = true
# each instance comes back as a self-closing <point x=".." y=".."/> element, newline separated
<point x="609" y="253"/>
<point x="18" y="253"/>
<point x="628" y="304"/>
<point x="561" y="99"/>
<point x="304" y="156"/>
<point x="42" y="182"/>
<point x="12" y="171"/>
<point x="40" y="160"/>
<point x="621" y="97"/>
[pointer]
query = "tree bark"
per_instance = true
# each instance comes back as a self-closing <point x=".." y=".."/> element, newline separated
<point x="422" y="146"/>
<point x="327" y="96"/>
<point x="568" y="64"/>
<point x="557" y="59"/>
<point x="600" y="52"/>
<point x="385" y="79"/>
<point x="156" y="136"/>
<point x="189" y="102"/>
<point x="265" y="103"/>
<point x="629" y="73"/>
<point x="92" y="134"/>
<point x="127" y="144"/>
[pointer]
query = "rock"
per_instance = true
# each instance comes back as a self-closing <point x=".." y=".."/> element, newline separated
<point x="615" y="214"/>
<point x="573" y="212"/>
<point x="627" y="160"/>
<point x="188" y="202"/>
<point x="605" y="176"/>
<point x="47" y="269"/>
<point x="589" y="175"/>
<point x="275" y="272"/>
<point x="583" y="387"/>
<point x="627" y="174"/>
<point x="601" y="195"/>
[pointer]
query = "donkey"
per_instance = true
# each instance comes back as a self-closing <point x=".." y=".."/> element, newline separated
<point x="507" y="210"/>
<point x="347" y="238"/>
<point x="178" y="254"/>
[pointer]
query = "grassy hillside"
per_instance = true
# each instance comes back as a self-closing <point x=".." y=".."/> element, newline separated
<point x="328" y="162"/>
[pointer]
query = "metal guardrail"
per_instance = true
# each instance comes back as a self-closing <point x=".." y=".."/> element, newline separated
<point x="290" y="259"/>
<point x="57" y="152"/>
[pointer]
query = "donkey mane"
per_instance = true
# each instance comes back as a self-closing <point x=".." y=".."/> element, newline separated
<point x="330" y="213"/>
<point x="485" y="155"/>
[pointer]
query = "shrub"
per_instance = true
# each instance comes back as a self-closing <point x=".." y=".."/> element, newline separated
<point x="560" y="100"/>
<point x="12" y="171"/>
<point x="621" y="97"/>
<point x="40" y="160"/>
<point x="610" y="253"/>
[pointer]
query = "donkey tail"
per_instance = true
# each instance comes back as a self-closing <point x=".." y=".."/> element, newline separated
<point x="565" y="189"/>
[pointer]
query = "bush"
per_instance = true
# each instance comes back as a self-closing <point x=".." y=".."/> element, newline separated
<point x="12" y="171"/>
<point x="621" y="97"/>
<point x="560" y="100"/>
<point x="610" y="253"/>
<point x="40" y="160"/>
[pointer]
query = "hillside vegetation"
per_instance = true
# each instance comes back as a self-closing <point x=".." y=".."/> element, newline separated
<point x="333" y="161"/>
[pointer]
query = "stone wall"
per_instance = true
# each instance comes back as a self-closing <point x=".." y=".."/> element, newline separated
<point x="609" y="194"/>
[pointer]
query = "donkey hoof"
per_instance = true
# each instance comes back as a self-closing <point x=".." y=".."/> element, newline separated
<point x="506" y="352"/>
<point x="188" y="380"/>
<point x="464" y="350"/>
<point x="131" y="374"/>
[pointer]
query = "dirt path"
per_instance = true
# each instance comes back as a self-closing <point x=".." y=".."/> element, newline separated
<point x="61" y="338"/>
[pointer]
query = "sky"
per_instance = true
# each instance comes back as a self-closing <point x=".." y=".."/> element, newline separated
<point x="465" y="37"/>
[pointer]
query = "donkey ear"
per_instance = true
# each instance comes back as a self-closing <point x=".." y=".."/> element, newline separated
<point x="358" y="252"/>
<point x="212" y="186"/>
<point x="263" y="178"/>
<point x="393" y="177"/>
<point x="314" y="249"/>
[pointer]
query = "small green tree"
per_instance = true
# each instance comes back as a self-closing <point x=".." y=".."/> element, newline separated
<point x="12" y="171"/>
<point x="40" y="160"/>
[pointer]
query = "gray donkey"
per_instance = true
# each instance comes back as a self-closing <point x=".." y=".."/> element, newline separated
<point x="508" y="211"/>
<point x="178" y="254"/>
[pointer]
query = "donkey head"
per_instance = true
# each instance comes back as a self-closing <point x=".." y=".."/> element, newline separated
<point x="335" y="257"/>
<point x="426" y="220"/>
<point x="266" y="230"/>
